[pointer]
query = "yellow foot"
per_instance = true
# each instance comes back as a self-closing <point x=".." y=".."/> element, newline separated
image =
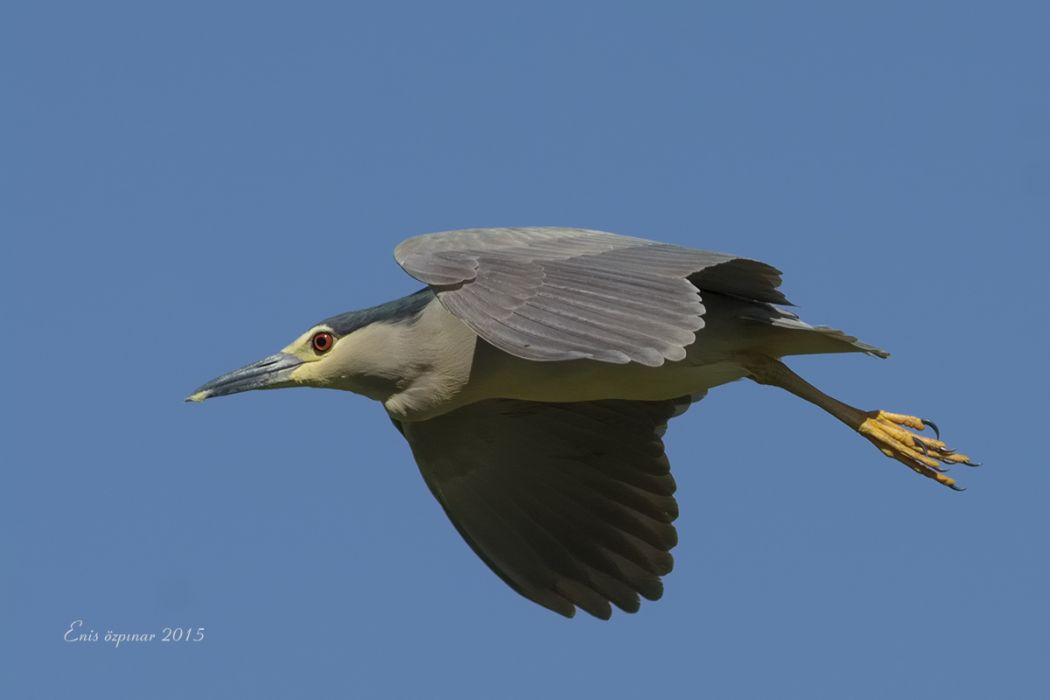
<point x="927" y="456"/>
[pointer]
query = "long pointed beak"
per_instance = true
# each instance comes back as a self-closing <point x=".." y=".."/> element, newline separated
<point x="268" y="373"/>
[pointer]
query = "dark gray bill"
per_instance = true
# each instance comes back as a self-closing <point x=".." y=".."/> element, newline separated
<point x="268" y="373"/>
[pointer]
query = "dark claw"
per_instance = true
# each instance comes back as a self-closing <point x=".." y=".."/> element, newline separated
<point x="956" y="487"/>
<point x="921" y="444"/>
<point x="972" y="464"/>
<point x="931" y="424"/>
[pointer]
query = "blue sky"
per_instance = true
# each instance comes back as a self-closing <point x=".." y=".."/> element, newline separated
<point x="186" y="188"/>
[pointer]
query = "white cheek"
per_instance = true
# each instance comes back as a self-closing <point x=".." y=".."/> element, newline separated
<point x="306" y="374"/>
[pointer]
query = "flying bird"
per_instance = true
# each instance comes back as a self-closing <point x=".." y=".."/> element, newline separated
<point x="535" y="374"/>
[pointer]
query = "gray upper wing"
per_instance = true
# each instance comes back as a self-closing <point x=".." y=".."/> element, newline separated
<point x="562" y="293"/>
<point x="571" y="504"/>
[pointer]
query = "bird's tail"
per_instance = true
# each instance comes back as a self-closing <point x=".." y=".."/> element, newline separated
<point x="804" y="339"/>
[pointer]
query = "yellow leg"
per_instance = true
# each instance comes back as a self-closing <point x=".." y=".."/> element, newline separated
<point x="924" y="455"/>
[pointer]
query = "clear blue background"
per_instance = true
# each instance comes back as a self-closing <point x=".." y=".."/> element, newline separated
<point x="186" y="188"/>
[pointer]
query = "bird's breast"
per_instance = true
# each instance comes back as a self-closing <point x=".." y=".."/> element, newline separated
<point x="448" y="366"/>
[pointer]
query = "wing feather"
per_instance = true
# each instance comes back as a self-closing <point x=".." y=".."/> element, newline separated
<point x="550" y="294"/>
<point x="572" y="504"/>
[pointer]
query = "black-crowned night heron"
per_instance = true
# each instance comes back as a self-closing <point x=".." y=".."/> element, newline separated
<point x="535" y="375"/>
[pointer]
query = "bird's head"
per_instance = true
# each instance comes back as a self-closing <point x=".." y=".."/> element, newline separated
<point x="354" y="351"/>
<point x="312" y="359"/>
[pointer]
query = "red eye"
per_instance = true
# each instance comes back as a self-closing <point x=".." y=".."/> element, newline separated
<point x="322" y="342"/>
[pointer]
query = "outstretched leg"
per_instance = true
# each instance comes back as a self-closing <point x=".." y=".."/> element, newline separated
<point x="926" y="456"/>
